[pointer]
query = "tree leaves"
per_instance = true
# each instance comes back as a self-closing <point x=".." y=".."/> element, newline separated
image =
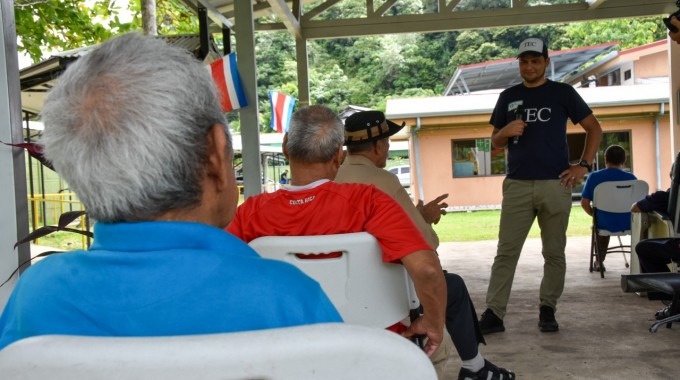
<point x="58" y="25"/>
<point x="62" y="25"/>
<point x="628" y="32"/>
<point x="361" y="71"/>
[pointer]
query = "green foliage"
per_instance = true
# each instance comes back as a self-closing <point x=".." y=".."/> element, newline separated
<point x="628" y="32"/>
<point x="63" y="25"/>
<point x="173" y="17"/>
<point x="48" y="25"/>
<point x="363" y="71"/>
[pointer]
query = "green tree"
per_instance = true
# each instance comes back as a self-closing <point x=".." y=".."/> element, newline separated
<point x="627" y="32"/>
<point x="47" y="25"/>
<point x="60" y="25"/>
<point x="174" y="17"/>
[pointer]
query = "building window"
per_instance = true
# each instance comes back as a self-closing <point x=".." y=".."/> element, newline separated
<point x="577" y="142"/>
<point x="614" y="138"/>
<point x="612" y="78"/>
<point x="476" y="157"/>
<point x="627" y="74"/>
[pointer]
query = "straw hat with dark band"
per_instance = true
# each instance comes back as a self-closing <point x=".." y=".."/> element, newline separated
<point x="367" y="126"/>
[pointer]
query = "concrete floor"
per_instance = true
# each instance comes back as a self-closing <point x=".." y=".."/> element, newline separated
<point x="603" y="331"/>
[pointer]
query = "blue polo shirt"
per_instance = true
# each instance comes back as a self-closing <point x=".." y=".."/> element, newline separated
<point x="613" y="222"/>
<point x="158" y="279"/>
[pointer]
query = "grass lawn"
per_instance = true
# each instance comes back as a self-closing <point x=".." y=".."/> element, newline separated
<point x="63" y="241"/>
<point x="456" y="226"/>
<point x="483" y="225"/>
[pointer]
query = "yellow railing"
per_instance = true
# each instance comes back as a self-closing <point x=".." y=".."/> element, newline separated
<point x="46" y="209"/>
<point x="267" y="188"/>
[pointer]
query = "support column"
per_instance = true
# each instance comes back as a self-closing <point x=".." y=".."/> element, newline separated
<point x="302" y="70"/>
<point x="250" y="127"/>
<point x="203" y="35"/>
<point x="13" y="202"/>
<point x="674" y="79"/>
<point x="226" y="40"/>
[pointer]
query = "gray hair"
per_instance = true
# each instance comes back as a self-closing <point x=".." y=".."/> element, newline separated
<point x="126" y="127"/>
<point x="315" y="134"/>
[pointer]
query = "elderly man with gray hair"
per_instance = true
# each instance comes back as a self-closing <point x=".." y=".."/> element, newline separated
<point x="315" y="205"/>
<point x="136" y="130"/>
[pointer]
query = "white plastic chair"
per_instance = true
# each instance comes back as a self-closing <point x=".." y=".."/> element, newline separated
<point x="614" y="197"/>
<point x="325" y="351"/>
<point x="349" y="267"/>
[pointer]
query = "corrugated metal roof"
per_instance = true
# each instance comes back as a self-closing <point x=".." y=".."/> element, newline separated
<point x="503" y="73"/>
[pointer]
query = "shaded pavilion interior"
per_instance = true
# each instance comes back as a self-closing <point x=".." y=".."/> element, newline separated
<point x="302" y="19"/>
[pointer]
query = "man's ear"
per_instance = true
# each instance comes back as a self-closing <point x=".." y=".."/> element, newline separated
<point x="216" y="168"/>
<point x="284" y="146"/>
<point x="376" y="147"/>
<point x="339" y="156"/>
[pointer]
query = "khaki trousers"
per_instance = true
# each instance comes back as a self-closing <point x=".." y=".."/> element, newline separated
<point x="440" y="357"/>
<point x="523" y="202"/>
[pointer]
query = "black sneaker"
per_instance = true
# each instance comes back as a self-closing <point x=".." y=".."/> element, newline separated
<point x="546" y="319"/>
<point x="488" y="372"/>
<point x="490" y="323"/>
<point x="663" y="313"/>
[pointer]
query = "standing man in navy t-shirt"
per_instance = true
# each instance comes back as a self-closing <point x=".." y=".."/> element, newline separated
<point x="530" y="119"/>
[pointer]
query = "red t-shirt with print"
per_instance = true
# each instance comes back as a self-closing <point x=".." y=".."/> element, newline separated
<point x="325" y="208"/>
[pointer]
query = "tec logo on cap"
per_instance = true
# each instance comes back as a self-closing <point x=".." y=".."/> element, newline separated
<point x="533" y="46"/>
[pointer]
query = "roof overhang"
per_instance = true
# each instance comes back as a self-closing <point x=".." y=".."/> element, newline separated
<point x="483" y="104"/>
<point x="304" y="17"/>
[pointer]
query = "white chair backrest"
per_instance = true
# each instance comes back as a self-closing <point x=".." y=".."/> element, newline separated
<point x="365" y="290"/>
<point x="619" y="196"/>
<point x="326" y="352"/>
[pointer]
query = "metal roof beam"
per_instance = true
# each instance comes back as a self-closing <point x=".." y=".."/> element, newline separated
<point x="592" y="4"/>
<point x="381" y="10"/>
<point x="228" y="9"/>
<point x="448" y="7"/>
<point x="215" y="15"/>
<point x="319" y="9"/>
<point x="290" y="20"/>
<point x="426" y="23"/>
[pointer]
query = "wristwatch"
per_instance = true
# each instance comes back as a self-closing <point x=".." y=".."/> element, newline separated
<point x="586" y="165"/>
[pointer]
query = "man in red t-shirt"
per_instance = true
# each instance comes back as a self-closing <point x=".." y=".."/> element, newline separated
<point x="314" y="205"/>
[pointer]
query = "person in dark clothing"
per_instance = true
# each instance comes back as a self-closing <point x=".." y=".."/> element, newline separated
<point x="655" y="255"/>
<point x="657" y="201"/>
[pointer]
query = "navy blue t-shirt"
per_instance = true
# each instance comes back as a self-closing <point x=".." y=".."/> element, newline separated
<point x="542" y="151"/>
